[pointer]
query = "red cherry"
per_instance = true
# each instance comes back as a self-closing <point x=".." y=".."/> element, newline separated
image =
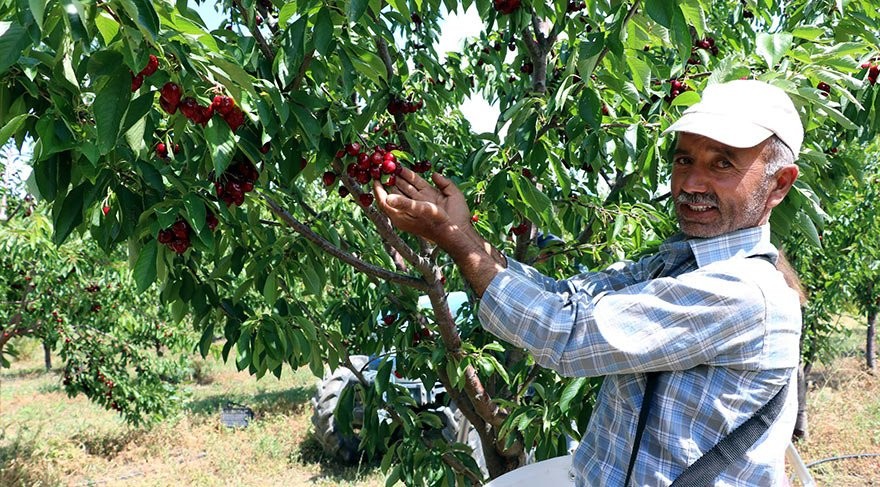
<point x="189" y="107"/>
<point x="874" y="71"/>
<point x="353" y="149"/>
<point x="365" y="199"/>
<point x="170" y="97"/>
<point x="235" y="118"/>
<point x="352" y="170"/>
<point x="329" y="178"/>
<point x="136" y="82"/>
<point x="363" y="176"/>
<point x="161" y="150"/>
<point x="180" y="229"/>
<point x="265" y="148"/>
<point x="247" y="187"/>
<point x="823" y="87"/>
<point x="392" y="179"/>
<point x="475" y="218"/>
<point x="389" y="319"/>
<point x="340" y="154"/>
<point x="211" y="220"/>
<point x="223" y="105"/>
<point x="363" y="160"/>
<point x="343" y="192"/>
<point x="165" y="236"/>
<point x="376" y="158"/>
<point x="151" y="67"/>
<point x="389" y="166"/>
<point x="105" y="209"/>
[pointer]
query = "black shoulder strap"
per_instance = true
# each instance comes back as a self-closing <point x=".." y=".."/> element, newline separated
<point x="726" y="451"/>
<point x="733" y="446"/>
<point x="650" y="386"/>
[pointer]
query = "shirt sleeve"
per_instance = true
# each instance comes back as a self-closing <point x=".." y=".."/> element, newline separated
<point x="580" y="328"/>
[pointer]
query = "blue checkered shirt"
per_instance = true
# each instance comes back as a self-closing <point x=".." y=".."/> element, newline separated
<point x="724" y="327"/>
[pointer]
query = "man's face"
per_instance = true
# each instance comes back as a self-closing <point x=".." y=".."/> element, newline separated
<point x="717" y="188"/>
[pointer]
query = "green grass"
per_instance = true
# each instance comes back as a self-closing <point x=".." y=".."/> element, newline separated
<point x="47" y="438"/>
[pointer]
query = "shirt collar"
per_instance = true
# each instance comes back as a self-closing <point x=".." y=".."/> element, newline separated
<point x="748" y="242"/>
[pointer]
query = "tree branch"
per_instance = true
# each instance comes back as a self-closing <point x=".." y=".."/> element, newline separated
<point x="346" y="257"/>
<point x="255" y="31"/>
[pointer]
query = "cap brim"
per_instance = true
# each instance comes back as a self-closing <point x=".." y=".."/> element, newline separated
<point x="722" y="128"/>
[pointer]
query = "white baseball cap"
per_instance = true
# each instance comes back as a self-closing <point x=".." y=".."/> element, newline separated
<point x="743" y="113"/>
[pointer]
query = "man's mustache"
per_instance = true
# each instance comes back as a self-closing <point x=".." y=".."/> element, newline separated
<point x="708" y="199"/>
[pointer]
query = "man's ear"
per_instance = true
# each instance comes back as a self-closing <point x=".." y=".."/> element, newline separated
<point x="780" y="184"/>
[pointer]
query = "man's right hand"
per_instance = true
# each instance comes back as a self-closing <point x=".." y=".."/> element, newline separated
<point x="438" y="213"/>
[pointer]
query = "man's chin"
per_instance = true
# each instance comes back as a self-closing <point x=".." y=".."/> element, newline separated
<point x="699" y="230"/>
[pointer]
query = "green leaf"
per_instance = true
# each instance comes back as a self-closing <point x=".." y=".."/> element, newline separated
<point x="571" y="391"/>
<point x="400" y="6"/>
<point x="590" y="108"/>
<point x="106" y="26"/>
<point x="686" y="99"/>
<point x="221" y="142"/>
<point x="356" y="9"/>
<point x="12" y="126"/>
<point x="71" y="213"/>
<point x="323" y="31"/>
<point x="13" y="40"/>
<point x="111" y="103"/>
<point x="145" y="267"/>
<point x="270" y="289"/>
<point x="772" y="47"/>
<point x="38" y="10"/>
<point x="311" y="128"/>
<point x="195" y="209"/>
<point x="145" y="15"/>
<point x="661" y="11"/>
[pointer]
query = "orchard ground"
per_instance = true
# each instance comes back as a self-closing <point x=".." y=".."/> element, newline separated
<point x="49" y="439"/>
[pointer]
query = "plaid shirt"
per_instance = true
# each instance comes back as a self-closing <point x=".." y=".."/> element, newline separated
<point x="724" y="326"/>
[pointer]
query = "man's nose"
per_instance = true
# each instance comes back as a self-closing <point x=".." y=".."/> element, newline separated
<point x="695" y="180"/>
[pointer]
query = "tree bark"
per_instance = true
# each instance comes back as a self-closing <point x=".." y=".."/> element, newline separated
<point x="801" y="427"/>
<point x="47" y="356"/>
<point x="869" y="344"/>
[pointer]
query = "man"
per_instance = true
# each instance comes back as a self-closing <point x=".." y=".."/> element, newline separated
<point x="709" y="311"/>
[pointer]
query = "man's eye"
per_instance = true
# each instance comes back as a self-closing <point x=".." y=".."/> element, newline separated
<point x="681" y="160"/>
<point x="724" y="163"/>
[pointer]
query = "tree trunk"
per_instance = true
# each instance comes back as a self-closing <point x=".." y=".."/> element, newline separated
<point x="869" y="344"/>
<point x="47" y="356"/>
<point x="801" y="428"/>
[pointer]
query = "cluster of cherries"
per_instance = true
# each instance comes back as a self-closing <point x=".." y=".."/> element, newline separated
<point x="678" y="87"/>
<point x="138" y="79"/>
<point x="506" y="7"/>
<point x="824" y="88"/>
<point x="399" y="106"/>
<point x="573" y="7"/>
<point x="170" y="99"/>
<point x="93" y="288"/>
<point x="873" y="71"/>
<point x="235" y="182"/>
<point x="162" y="150"/>
<point x="380" y="165"/>
<point x="176" y="237"/>
<point x="707" y="44"/>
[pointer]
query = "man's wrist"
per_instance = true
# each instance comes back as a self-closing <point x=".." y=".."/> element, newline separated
<point x="478" y="261"/>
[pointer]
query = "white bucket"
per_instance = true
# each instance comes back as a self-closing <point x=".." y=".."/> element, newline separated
<point x="553" y="472"/>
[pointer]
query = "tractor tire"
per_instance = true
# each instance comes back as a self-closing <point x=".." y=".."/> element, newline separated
<point x="326" y="430"/>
